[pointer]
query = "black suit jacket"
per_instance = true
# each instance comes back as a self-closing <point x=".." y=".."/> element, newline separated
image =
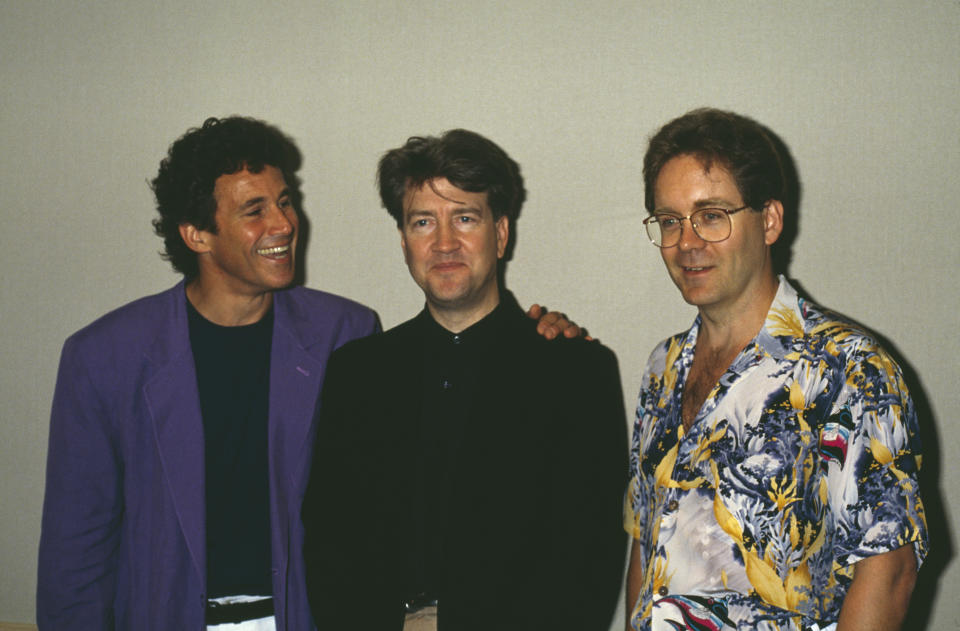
<point x="532" y="536"/>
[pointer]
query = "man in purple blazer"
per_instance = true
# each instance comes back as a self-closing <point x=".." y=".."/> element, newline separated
<point x="181" y="432"/>
<point x="181" y="427"/>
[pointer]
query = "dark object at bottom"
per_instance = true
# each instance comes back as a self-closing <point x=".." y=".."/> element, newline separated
<point x="221" y="613"/>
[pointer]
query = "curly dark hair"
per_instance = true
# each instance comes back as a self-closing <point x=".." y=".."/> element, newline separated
<point x="468" y="160"/>
<point x="185" y="182"/>
<point x="739" y="144"/>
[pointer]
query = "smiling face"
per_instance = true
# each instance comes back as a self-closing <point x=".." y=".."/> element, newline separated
<point x="451" y="244"/>
<point x="722" y="278"/>
<point x="252" y="251"/>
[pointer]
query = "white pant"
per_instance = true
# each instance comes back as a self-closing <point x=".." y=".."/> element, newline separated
<point x="422" y="620"/>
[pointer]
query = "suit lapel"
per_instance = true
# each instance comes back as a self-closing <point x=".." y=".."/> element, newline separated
<point x="295" y="379"/>
<point x="174" y="406"/>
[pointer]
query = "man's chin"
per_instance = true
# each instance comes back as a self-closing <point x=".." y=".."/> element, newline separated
<point x="282" y="282"/>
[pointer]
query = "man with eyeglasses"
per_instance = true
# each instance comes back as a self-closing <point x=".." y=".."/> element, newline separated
<point x="775" y="452"/>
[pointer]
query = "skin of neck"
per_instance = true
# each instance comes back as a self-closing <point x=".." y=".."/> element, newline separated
<point x="732" y="327"/>
<point x="457" y="319"/>
<point x="226" y="308"/>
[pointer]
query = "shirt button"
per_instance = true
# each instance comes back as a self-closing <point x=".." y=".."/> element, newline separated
<point x="456" y="339"/>
<point x="663" y="591"/>
<point x="446" y="384"/>
<point x="673" y="505"/>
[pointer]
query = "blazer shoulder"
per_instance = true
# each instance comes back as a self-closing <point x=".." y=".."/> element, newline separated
<point x="576" y="353"/>
<point x="381" y="345"/>
<point x="133" y="324"/>
<point x="307" y="303"/>
<point x="318" y="316"/>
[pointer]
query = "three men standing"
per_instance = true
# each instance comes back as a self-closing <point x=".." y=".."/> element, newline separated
<point x="468" y="471"/>
<point x="776" y="450"/>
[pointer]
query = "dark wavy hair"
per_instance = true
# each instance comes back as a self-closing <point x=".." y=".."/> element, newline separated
<point x="739" y="144"/>
<point x="468" y="160"/>
<point x="185" y="182"/>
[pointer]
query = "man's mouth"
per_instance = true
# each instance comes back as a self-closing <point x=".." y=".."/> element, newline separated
<point x="278" y="251"/>
<point x="447" y="265"/>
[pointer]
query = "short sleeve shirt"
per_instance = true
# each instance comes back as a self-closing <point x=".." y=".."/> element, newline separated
<point x="802" y="461"/>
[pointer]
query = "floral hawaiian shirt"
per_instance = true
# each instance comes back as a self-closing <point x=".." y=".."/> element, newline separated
<point x="802" y="461"/>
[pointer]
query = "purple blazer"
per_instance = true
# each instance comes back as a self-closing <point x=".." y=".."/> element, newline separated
<point x="123" y="543"/>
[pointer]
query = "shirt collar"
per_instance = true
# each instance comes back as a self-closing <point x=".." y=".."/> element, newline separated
<point x="481" y="332"/>
<point x="784" y="322"/>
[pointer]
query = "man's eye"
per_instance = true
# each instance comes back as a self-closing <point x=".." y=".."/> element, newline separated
<point x="420" y="223"/>
<point x="711" y="215"/>
<point x="255" y="211"/>
<point x="667" y="222"/>
<point x="285" y="203"/>
<point x="465" y="219"/>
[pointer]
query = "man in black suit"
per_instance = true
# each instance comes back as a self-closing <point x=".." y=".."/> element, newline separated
<point x="468" y="472"/>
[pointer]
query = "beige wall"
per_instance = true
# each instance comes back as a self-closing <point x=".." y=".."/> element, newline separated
<point x="865" y="96"/>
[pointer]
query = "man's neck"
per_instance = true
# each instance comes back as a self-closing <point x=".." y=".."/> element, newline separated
<point x="731" y="327"/>
<point x="456" y="320"/>
<point x="225" y="308"/>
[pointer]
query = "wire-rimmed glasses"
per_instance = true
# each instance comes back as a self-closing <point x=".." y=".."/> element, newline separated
<point x="710" y="224"/>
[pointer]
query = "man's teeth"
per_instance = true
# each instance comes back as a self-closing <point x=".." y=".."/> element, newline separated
<point x="280" y="249"/>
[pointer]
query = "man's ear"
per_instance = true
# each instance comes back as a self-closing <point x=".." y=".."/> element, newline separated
<point x="195" y="238"/>
<point x="772" y="221"/>
<point x="502" y="226"/>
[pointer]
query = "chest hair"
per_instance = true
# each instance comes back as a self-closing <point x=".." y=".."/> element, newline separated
<point x="708" y="366"/>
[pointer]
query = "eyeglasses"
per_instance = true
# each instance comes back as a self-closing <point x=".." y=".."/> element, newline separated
<point x="710" y="224"/>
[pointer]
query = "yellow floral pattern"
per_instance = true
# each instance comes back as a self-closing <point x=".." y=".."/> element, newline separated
<point x="802" y="461"/>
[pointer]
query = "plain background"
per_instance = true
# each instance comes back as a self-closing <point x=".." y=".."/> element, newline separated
<point x="863" y="93"/>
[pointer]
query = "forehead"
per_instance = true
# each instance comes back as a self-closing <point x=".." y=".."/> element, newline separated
<point x="243" y="185"/>
<point x="685" y="181"/>
<point x="439" y="193"/>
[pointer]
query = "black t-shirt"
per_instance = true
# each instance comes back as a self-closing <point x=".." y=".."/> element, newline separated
<point x="233" y="378"/>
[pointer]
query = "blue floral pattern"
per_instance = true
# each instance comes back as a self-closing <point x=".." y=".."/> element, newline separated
<point x="802" y="461"/>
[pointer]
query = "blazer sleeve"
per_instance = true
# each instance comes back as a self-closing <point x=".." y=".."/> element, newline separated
<point x="590" y="475"/>
<point x="83" y="506"/>
<point x="343" y="546"/>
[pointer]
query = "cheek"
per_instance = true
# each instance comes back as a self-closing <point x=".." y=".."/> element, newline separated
<point x="414" y="253"/>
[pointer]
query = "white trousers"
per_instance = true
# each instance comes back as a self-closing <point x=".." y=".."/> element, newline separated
<point x="422" y="620"/>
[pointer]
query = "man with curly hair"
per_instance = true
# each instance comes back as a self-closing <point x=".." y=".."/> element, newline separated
<point x="776" y="450"/>
<point x="177" y="461"/>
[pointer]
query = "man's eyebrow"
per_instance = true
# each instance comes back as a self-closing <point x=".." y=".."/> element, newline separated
<point x="253" y="201"/>
<point x="713" y="202"/>
<point x="417" y="211"/>
<point x="459" y="210"/>
<point x="710" y="202"/>
<point x="256" y="201"/>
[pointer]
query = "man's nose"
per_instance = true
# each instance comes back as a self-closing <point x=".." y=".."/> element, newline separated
<point x="282" y="220"/>
<point x="446" y="238"/>
<point x="689" y="239"/>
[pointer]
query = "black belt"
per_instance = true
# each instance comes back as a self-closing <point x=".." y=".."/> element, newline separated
<point x="222" y="613"/>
